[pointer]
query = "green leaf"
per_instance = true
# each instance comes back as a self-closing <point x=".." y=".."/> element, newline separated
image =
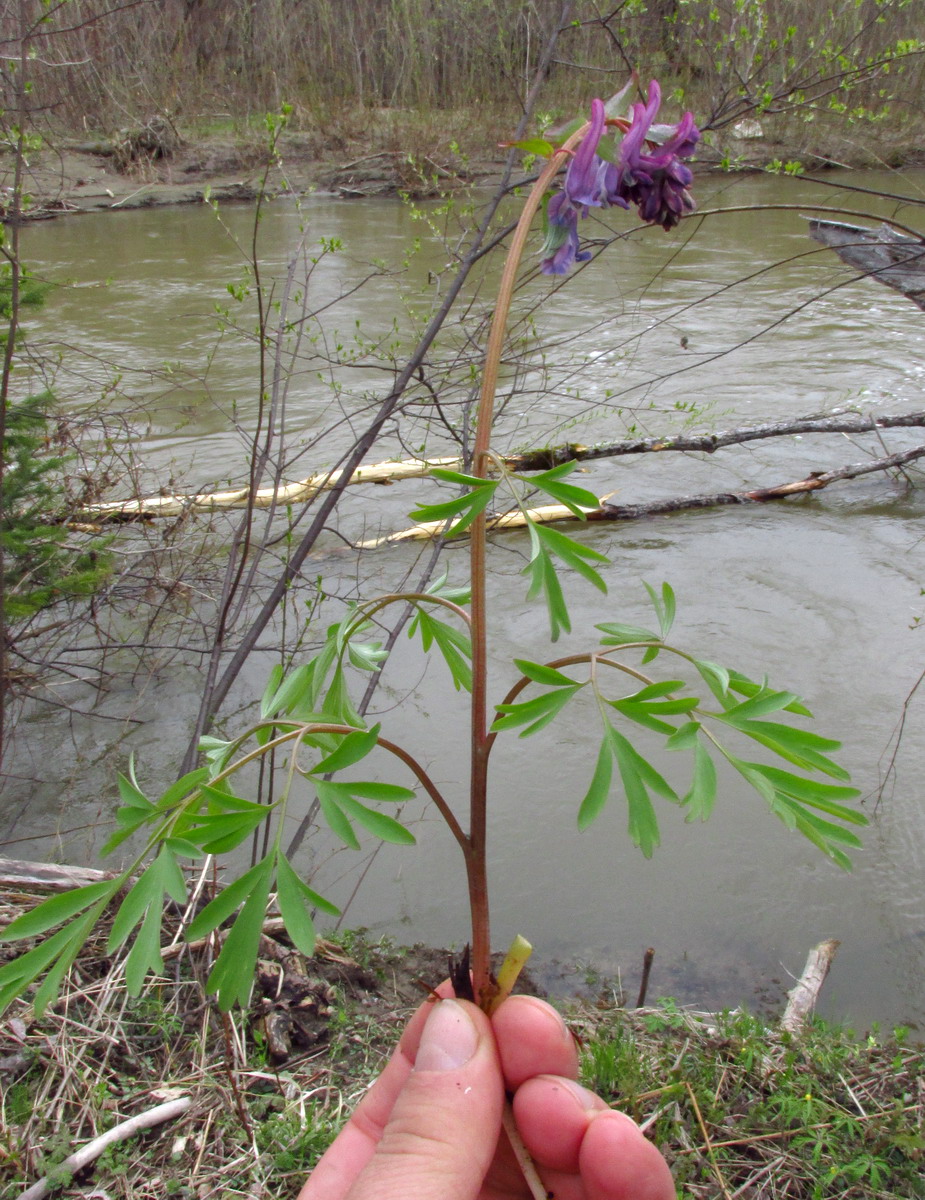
<point x="534" y="713"/>
<point x="440" y="587"/>
<point x="295" y="900"/>
<point x="233" y="974"/>
<point x="534" y="145"/>
<point x="624" y="750"/>
<point x="58" y="909"/>
<point x="221" y="800"/>
<point x="329" y="799"/>
<point x="352" y="749"/>
<point x="685" y="737"/>
<point x="798" y="746"/>
<point x="53" y="955"/>
<point x="469" y="506"/>
<point x="228" y="900"/>
<point x="577" y="500"/>
<point x="716" y="678"/>
<point x="456" y="648"/>
<point x="643" y="823"/>
<point x="702" y="795"/>
<point x="540" y="673"/>
<point x="664" y="606"/>
<point x="618" y="635"/>
<point x="543" y="579"/>
<point x="763" y="702"/>
<point x="290" y="691"/>
<point x="748" y="687"/>
<point x="267" y="700"/>
<point x="145" y="954"/>
<point x="825" y="796"/>
<point x="448" y="476"/>
<point x="219" y="834"/>
<point x="642" y="715"/>
<point x="132" y="796"/>
<point x="377" y="823"/>
<point x="217" y="752"/>
<point x="454" y="645"/>
<point x="366" y="656"/>
<point x="338" y="703"/>
<point x="389" y="793"/>
<point x="564" y="132"/>
<point x="182" y="788"/>
<point x="163" y="876"/>
<point x="573" y="553"/>
<point x="135" y="811"/>
<point x="599" y="789"/>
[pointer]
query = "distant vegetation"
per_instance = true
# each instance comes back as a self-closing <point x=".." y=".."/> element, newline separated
<point x="831" y="70"/>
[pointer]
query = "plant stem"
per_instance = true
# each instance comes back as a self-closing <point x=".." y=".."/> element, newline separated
<point x="476" y="855"/>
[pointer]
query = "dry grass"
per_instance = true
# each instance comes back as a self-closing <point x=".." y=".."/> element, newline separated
<point x="741" y="1110"/>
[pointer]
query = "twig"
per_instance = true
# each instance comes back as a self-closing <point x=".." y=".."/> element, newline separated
<point x="707" y="1143"/>
<point x="646" y="971"/>
<point x="524" y="1161"/>
<point x="119" y="1133"/>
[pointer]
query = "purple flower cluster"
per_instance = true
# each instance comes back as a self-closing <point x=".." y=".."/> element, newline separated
<point x="653" y="179"/>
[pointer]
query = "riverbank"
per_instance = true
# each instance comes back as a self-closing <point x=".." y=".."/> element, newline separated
<point x="243" y="1105"/>
<point x="157" y="164"/>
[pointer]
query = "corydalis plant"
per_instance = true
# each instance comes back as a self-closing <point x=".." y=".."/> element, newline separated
<point x="644" y="169"/>
<point x="308" y="721"/>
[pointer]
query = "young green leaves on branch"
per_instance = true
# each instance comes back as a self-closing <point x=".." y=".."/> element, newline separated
<point x="547" y="544"/>
<point x="688" y="720"/>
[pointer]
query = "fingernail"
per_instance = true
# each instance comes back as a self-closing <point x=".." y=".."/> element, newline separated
<point x="449" y="1039"/>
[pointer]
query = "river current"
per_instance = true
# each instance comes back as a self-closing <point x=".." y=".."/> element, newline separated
<point x="737" y="319"/>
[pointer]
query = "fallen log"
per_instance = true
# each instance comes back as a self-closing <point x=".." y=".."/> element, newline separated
<point x="47" y="877"/>
<point x="802" y="997"/>
<point x="290" y="493"/>
<point x="891" y="258"/>
<point x="530" y="460"/>
<point x="633" y="512"/>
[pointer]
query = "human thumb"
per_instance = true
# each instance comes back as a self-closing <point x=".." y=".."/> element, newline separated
<point x="441" y="1135"/>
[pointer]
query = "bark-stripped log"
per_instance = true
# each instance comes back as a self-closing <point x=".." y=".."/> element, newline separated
<point x="801" y="999"/>
<point x="288" y="493"/>
<point x="47" y="877"/>
<point x="530" y="460"/>
<point x="633" y="512"/>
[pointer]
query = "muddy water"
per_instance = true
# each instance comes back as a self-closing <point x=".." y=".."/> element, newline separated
<point x="822" y="593"/>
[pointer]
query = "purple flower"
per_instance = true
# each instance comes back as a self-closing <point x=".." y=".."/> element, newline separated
<point x="560" y="250"/>
<point x="656" y="181"/>
<point x="584" y="179"/>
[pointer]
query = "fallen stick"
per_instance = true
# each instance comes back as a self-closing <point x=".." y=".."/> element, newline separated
<point x="633" y="512"/>
<point x="119" y="1133"/>
<point x="289" y="493"/>
<point x="48" y="877"/>
<point x="802" y="997"/>
<point x="531" y="460"/>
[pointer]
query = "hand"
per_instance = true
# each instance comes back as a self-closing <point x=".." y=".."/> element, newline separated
<point x="430" y="1126"/>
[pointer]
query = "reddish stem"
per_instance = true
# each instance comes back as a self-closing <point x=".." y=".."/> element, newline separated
<point x="476" y="854"/>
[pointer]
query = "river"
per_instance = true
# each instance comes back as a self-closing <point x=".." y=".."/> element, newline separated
<point x="736" y="319"/>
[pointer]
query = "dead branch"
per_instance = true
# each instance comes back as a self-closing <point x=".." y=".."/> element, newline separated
<point x="633" y="512"/>
<point x="531" y="460"/>
<point x="119" y="1133"/>
<point x="802" y="997"/>
<point x="291" y="493"/>
<point x="47" y="877"/>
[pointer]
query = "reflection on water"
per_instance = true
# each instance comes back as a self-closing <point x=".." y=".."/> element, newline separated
<point x="740" y="317"/>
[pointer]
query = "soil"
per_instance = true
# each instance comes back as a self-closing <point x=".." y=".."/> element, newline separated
<point x="109" y="176"/>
